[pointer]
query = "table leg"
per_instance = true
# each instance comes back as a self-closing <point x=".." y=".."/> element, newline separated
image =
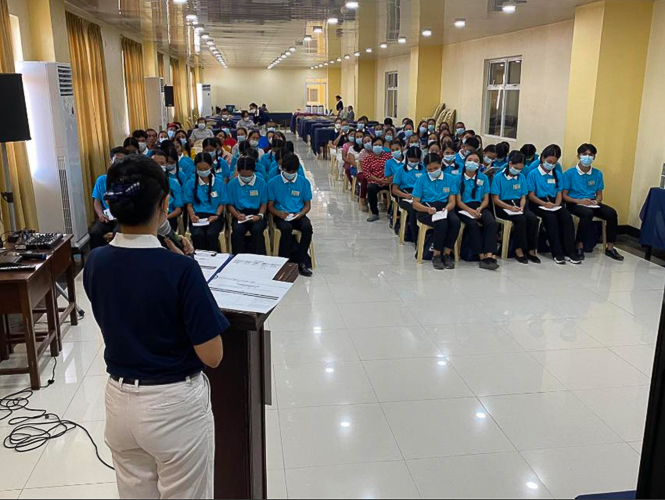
<point x="52" y="321"/>
<point x="71" y="292"/>
<point x="30" y="341"/>
<point x="647" y="253"/>
<point x="4" y="333"/>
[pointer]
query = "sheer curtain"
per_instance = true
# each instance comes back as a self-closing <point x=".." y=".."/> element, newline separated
<point x="179" y="112"/>
<point x="19" y="167"/>
<point x="132" y="53"/>
<point x="86" y="50"/>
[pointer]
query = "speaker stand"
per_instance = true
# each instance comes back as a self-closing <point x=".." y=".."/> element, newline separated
<point x="8" y="195"/>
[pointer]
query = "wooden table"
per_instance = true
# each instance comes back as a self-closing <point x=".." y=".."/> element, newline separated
<point x="241" y="387"/>
<point x="21" y="292"/>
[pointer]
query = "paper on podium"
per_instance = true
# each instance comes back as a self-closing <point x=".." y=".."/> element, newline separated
<point x="511" y="213"/>
<point x="254" y="267"/>
<point x="442" y="215"/>
<point x="259" y="296"/>
<point x="210" y="262"/>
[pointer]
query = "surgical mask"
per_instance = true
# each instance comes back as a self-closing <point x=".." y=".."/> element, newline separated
<point x="171" y="134"/>
<point x="586" y="160"/>
<point x="549" y="166"/>
<point x="170" y="167"/>
<point x="389" y="138"/>
<point x="242" y="138"/>
<point x="449" y="158"/>
<point x="361" y="126"/>
<point x="269" y="140"/>
<point x="183" y="141"/>
<point x="408" y="133"/>
<point x="338" y="126"/>
<point x="464" y="141"/>
<point x="202" y="126"/>
<point x="471" y="167"/>
<point x="162" y="139"/>
<point x="359" y="140"/>
<point x="379" y="133"/>
<point x="464" y="153"/>
<point x="459" y="131"/>
<point x="429" y="143"/>
<point x="397" y="155"/>
<point x="434" y="175"/>
<point x="422" y="130"/>
<point x="271" y="129"/>
<point x="368" y="145"/>
<point x="227" y="131"/>
<point x="488" y="160"/>
<point x="225" y="118"/>
<point x="345" y="128"/>
<point x="143" y="146"/>
<point x="247" y="180"/>
<point x="204" y="174"/>
<point x="289" y="177"/>
<point x="254" y="143"/>
<point x="414" y="164"/>
<point x="514" y="171"/>
<point x="378" y="150"/>
<point x="431" y="128"/>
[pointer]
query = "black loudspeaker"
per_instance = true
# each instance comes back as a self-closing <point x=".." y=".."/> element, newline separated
<point x="168" y="96"/>
<point x="14" y="125"/>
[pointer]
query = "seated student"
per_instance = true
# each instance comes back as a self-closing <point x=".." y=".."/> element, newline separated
<point x="171" y="130"/>
<point x="557" y="153"/>
<point x="407" y="130"/>
<point x="175" y="195"/>
<point x="583" y="188"/>
<point x="422" y="133"/>
<point x="268" y="161"/>
<point x="290" y="196"/>
<point x="434" y="149"/>
<point x="362" y="124"/>
<point x="173" y="165"/>
<point x="103" y="225"/>
<point x="181" y="137"/>
<point x="220" y="167"/>
<point x="351" y="155"/>
<point x="431" y="126"/>
<point x="470" y="145"/>
<point x="342" y="133"/>
<point x="162" y="136"/>
<point x="377" y="131"/>
<point x="509" y="193"/>
<point x="444" y="127"/>
<point x="405" y="177"/>
<point x="432" y="138"/>
<point x="531" y="157"/>
<point x="226" y="116"/>
<point x="222" y="151"/>
<point x="185" y="163"/>
<point x="373" y="167"/>
<point x="388" y="122"/>
<point x="276" y="169"/>
<point x="131" y="145"/>
<point x="151" y="141"/>
<point x="245" y="121"/>
<point x="389" y="134"/>
<point x="502" y="150"/>
<point x="248" y="200"/>
<point x="460" y="128"/>
<point x="241" y="134"/>
<point x="434" y="193"/>
<point x="397" y="160"/>
<point x="142" y="137"/>
<point x="205" y="197"/>
<point x="545" y="186"/>
<point x="229" y="142"/>
<point x="254" y="137"/>
<point x="449" y="163"/>
<point x="474" y="198"/>
<point x="412" y="141"/>
<point x="489" y="157"/>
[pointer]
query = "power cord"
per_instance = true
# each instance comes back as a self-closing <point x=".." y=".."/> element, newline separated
<point x="33" y="432"/>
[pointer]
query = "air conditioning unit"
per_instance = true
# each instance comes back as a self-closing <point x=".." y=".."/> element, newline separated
<point x="154" y="98"/>
<point x="204" y="92"/>
<point x="55" y="160"/>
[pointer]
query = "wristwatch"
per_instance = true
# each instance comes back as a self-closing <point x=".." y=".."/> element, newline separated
<point x="260" y="215"/>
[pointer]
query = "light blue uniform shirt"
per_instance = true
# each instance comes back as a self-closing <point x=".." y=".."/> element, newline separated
<point x="247" y="196"/>
<point x="180" y="179"/>
<point x="99" y="190"/>
<point x="187" y="166"/>
<point x="543" y="184"/>
<point x="287" y="196"/>
<point x="274" y="172"/>
<point x="460" y="160"/>
<point x="583" y="186"/>
<point x="391" y="168"/>
<point x="175" y="201"/>
<point x="222" y="168"/>
<point x="455" y="169"/>
<point x="406" y="178"/>
<point x="500" y="163"/>
<point x="439" y="190"/>
<point x="205" y="204"/>
<point x="508" y="187"/>
<point x="481" y="185"/>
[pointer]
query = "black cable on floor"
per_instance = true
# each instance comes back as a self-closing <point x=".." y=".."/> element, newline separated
<point x="33" y="432"/>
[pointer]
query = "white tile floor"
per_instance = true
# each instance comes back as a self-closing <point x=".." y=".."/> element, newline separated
<point x="393" y="380"/>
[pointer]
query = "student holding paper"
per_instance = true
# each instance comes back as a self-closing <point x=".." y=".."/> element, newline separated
<point x="289" y="201"/>
<point x="434" y="197"/>
<point x="583" y="188"/>
<point x="105" y="224"/>
<point x="404" y="181"/>
<point x="248" y="200"/>
<point x="509" y="193"/>
<point x="545" y="187"/>
<point x="472" y="202"/>
<point x="205" y="197"/>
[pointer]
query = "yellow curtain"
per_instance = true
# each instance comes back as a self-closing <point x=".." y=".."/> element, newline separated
<point x="179" y="111"/>
<point x="195" y="93"/>
<point x="86" y="50"/>
<point x="19" y="168"/>
<point x="160" y="65"/>
<point x="132" y="53"/>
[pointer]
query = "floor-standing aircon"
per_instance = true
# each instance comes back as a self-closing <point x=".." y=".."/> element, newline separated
<point x="54" y="149"/>
<point x="204" y="91"/>
<point x="154" y="98"/>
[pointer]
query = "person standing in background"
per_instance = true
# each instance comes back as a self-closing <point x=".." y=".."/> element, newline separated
<point x="340" y="105"/>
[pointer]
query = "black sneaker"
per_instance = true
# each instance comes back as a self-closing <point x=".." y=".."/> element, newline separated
<point x="522" y="259"/>
<point x="573" y="259"/>
<point x="448" y="261"/>
<point x="579" y="253"/>
<point x="489" y="264"/>
<point x="613" y="254"/>
<point x="437" y="262"/>
<point x="304" y="270"/>
<point x="560" y="260"/>
<point x="534" y="258"/>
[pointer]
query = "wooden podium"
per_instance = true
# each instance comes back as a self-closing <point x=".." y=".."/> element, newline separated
<point x="241" y="387"/>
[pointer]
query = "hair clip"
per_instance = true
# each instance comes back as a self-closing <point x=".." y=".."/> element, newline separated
<point x="122" y="192"/>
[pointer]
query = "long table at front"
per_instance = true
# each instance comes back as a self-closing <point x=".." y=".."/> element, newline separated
<point x="240" y="389"/>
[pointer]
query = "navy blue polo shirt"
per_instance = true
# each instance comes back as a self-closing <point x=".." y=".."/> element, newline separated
<point x="152" y="306"/>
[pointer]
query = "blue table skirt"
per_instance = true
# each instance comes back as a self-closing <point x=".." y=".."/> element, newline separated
<point x="652" y="233"/>
<point x="321" y="138"/>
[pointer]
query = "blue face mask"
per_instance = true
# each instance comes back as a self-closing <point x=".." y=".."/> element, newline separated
<point x="183" y="141"/>
<point x="408" y="133"/>
<point x="368" y="145"/>
<point x="460" y="131"/>
<point x="171" y="134"/>
<point x="389" y="138"/>
<point x="242" y="138"/>
<point x="397" y="155"/>
<point x="289" y="177"/>
<point x="513" y="171"/>
<point x="170" y="167"/>
<point x="378" y="150"/>
<point x="472" y="167"/>
<point x="549" y="166"/>
<point x="449" y="158"/>
<point x="488" y="160"/>
<point x="246" y="180"/>
<point x="464" y="153"/>
<point x="345" y="128"/>
<point x="422" y="130"/>
<point x="434" y="175"/>
<point x="271" y="129"/>
<point x="361" y="126"/>
<point x="586" y="160"/>
<point x="359" y="140"/>
<point x="414" y="164"/>
<point x="431" y="128"/>
<point x="378" y="133"/>
<point x="204" y="174"/>
<point x="227" y="131"/>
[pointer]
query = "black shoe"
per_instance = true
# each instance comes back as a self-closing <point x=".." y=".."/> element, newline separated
<point x="534" y="258"/>
<point x="579" y="253"/>
<point x="613" y="254"/>
<point x="489" y="264"/>
<point x="522" y="259"/>
<point x="573" y="259"/>
<point x="304" y="270"/>
<point x="448" y="261"/>
<point x="560" y="260"/>
<point x="437" y="262"/>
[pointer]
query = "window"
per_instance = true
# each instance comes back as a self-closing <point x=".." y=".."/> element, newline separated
<point x="502" y="97"/>
<point x="391" y="94"/>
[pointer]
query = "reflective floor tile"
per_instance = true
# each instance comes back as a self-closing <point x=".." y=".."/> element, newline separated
<point x="377" y="314"/>
<point x="548" y="335"/>
<point x="640" y="356"/>
<point x="393" y="342"/>
<point x="311" y="347"/>
<point x="274" y="441"/>
<point x="472" y="338"/>
<point x="82" y="491"/>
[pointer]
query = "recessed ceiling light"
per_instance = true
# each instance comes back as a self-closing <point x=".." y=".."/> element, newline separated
<point x="460" y="23"/>
<point x="192" y="17"/>
<point x="317" y="29"/>
<point x="307" y="38"/>
<point x="401" y="39"/>
<point x="509" y="7"/>
<point x="368" y="50"/>
<point x="199" y="28"/>
<point x="333" y="20"/>
<point x="384" y="45"/>
<point x="352" y="5"/>
<point x="210" y="42"/>
<point x="427" y="33"/>
<point x="332" y="61"/>
<point x="339" y="59"/>
<point x="357" y="54"/>
<point x="292" y="49"/>
<point x="179" y="2"/>
<point x="205" y="36"/>
<point x="325" y="64"/>
<point x="347" y="57"/>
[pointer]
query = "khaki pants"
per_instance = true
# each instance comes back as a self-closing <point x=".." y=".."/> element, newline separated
<point x="162" y="439"/>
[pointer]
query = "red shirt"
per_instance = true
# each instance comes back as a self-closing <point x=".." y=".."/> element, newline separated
<point x="375" y="165"/>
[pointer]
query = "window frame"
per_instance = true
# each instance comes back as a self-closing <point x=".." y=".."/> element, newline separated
<point x="503" y="90"/>
<point x="394" y="91"/>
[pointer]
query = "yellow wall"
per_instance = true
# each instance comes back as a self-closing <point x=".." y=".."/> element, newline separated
<point x="427" y="89"/>
<point x="48" y="30"/>
<point x="609" y="55"/>
<point x="365" y="88"/>
<point x="349" y="83"/>
<point x="334" y="86"/>
<point x="19" y="8"/>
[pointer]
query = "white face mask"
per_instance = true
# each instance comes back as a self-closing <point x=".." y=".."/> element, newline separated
<point x="202" y="126"/>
